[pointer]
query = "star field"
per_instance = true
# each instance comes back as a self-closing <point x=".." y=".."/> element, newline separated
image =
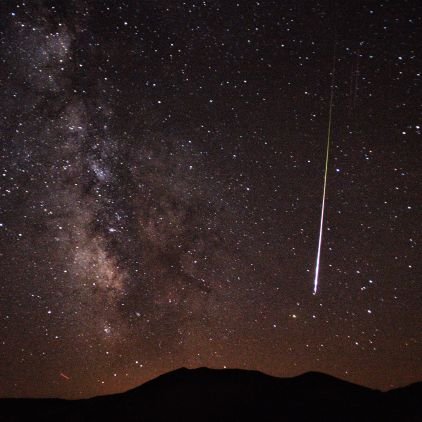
<point x="161" y="178"/>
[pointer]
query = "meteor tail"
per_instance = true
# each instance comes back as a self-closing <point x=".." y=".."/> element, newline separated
<point x="321" y="226"/>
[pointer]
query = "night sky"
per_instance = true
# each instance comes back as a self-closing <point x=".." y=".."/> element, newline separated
<point x="161" y="176"/>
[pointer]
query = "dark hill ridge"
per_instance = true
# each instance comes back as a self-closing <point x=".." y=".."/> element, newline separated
<point x="203" y="394"/>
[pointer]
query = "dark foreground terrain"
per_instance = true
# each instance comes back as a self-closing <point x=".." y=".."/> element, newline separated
<point x="229" y="395"/>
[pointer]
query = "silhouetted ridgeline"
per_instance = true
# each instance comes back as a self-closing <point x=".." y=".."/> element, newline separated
<point x="203" y="394"/>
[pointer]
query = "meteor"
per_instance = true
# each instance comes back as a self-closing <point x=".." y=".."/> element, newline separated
<point x="327" y="155"/>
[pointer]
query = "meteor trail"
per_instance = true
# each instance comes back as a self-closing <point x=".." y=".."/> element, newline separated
<point x="64" y="376"/>
<point x="321" y="226"/>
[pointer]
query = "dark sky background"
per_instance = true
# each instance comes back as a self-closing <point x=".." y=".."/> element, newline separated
<point x="162" y="168"/>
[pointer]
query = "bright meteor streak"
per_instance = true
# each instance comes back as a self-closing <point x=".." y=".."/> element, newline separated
<point x="321" y="226"/>
<point x="322" y="219"/>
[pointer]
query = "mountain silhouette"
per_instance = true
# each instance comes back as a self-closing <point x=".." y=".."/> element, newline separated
<point x="203" y="395"/>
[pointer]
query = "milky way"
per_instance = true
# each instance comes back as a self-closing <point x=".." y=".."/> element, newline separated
<point x="161" y="167"/>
